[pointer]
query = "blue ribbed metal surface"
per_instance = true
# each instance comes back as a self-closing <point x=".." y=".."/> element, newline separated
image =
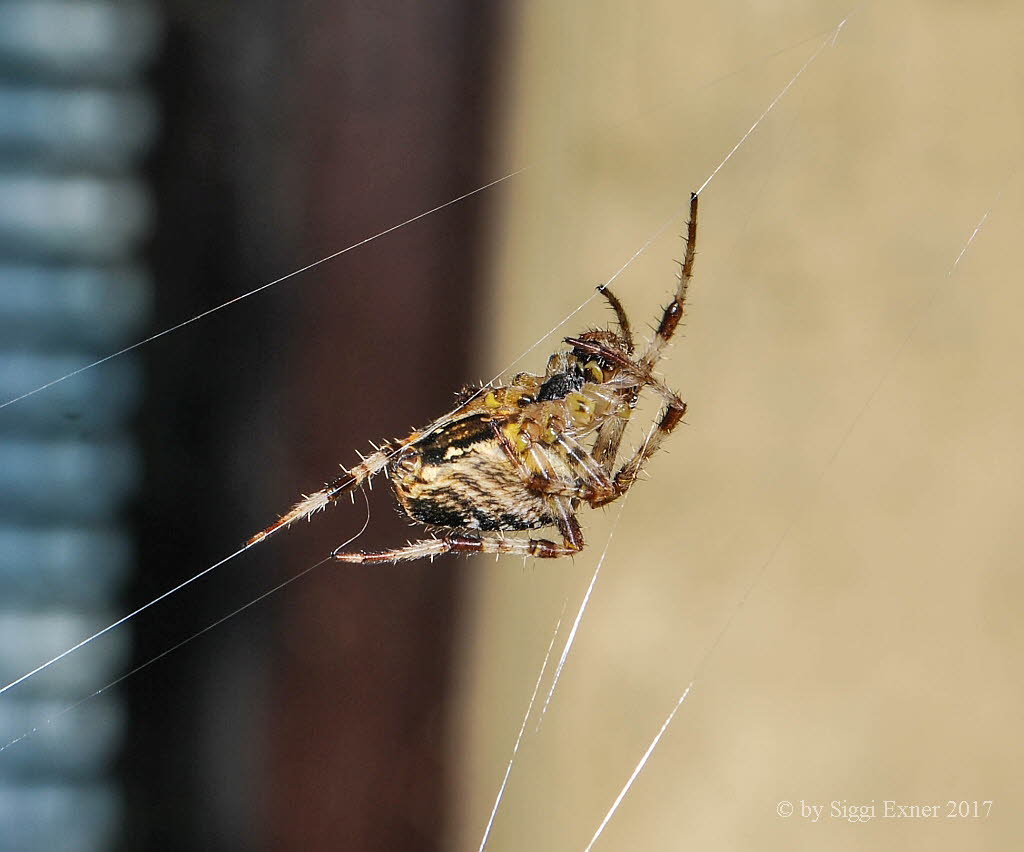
<point x="74" y="123"/>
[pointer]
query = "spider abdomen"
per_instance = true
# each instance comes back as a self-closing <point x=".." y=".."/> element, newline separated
<point x="461" y="477"/>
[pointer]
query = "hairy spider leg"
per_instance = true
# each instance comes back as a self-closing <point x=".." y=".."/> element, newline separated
<point x="610" y="433"/>
<point x="591" y="483"/>
<point x="628" y="473"/>
<point x="310" y="504"/>
<point x="460" y="542"/>
<point x="674" y="310"/>
<point x="350" y="480"/>
<point x="620" y="316"/>
<point x="606" y="446"/>
<point x="675" y="408"/>
<point x="605" y="453"/>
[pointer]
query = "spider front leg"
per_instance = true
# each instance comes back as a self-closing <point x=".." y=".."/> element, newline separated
<point x="606" y="447"/>
<point x="673" y="312"/>
<point x="466" y="542"/>
<point x="670" y="418"/>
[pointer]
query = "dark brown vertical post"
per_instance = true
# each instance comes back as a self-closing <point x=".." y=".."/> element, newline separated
<point x="391" y="103"/>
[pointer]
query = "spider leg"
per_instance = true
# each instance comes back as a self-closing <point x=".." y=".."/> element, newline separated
<point x="674" y="310"/>
<point x="642" y="368"/>
<point x="592" y="481"/>
<point x="671" y="416"/>
<point x="349" y="481"/>
<point x="637" y="377"/>
<point x="592" y="478"/>
<point x="637" y="374"/>
<point x="463" y="542"/>
<point x="610" y="433"/>
<point x="469" y="392"/>
<point x="609" y="438"/>
<point x="620" y="316"/>
<point x="606" y="445"/>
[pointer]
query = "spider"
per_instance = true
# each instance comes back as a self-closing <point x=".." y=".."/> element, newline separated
<point x="528" y="454"/>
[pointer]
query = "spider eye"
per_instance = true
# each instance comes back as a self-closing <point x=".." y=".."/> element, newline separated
<point x="592" y="370"/>
<point x="514" y="396"/>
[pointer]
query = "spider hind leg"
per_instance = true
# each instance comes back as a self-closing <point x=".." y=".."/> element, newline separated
<point x="310" y="504"/>
<point x="463" y="542"/>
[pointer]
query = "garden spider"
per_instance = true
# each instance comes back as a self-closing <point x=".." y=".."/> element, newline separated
<point x="524" y="455"/>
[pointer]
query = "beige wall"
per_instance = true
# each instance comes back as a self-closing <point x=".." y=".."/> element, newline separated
<point x="852" y="447"/>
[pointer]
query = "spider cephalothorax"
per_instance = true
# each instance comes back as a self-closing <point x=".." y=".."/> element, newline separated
<point x="527" y="454"/>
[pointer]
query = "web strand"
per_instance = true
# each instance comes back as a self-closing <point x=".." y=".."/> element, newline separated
<point x="122" y="620"/>
<point x="271" y="591"/>
<point x="519" y="736"/>
<point x="163" y="654"/>
<point x="571" y="639"/>
<point x="639" y="768"/>
<point x="261" y="288"/>
<point x="830" y="41"/>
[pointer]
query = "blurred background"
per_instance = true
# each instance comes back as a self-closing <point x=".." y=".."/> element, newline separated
<point x="829" y="548"/>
